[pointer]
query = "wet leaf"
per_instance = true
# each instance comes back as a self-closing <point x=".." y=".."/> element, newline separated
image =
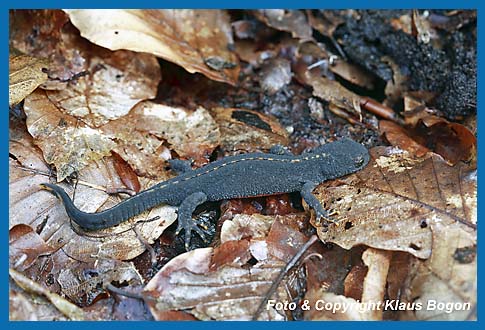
<point x="25" y="75"/>
<point x="197" y="40"/>
<point x="25" y="246"/>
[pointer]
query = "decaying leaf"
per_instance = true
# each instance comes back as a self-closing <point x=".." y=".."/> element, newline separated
<point x="25" y="246"/>
<point x="425" y="131"/>
<point x="26" y="73"/>
<point x="197" y="40"/>
<point x="114" y="84"/>
<point x="293" y="21"/>
<point x="90" y="82"/>
<point x="420" y="206"/>
<point x="67" y="308"/>
<point x="219" y="283"/>
<point x="39" y="209"/>
<point x="229" y="292"/>
<point x="67" y="143"/>
<point x="191" y="134"/>
<point x="395" y="202"/>
<point x="243" y="129"/>
<point x="83" y="283"/>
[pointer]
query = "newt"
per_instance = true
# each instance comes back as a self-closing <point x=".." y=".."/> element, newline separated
<point x="240" y="176"/>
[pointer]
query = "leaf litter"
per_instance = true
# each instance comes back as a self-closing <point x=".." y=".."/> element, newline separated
<point x="419" y="246"/>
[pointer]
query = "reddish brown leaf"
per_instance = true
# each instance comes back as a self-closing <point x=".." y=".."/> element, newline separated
<point x="398" y="136"/>
<point x="25" y="246"/>
<point x="126" y="173"/>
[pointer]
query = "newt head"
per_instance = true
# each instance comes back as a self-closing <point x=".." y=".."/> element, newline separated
<point x="344" y="156"/>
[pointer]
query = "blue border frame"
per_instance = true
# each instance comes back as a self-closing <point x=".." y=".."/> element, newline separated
<point x="379" y="4"/>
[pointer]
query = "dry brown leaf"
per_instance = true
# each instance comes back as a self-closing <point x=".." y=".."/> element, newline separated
<point x="333" y="92"/>
<point x="293" y="21"/>
<point x="227" y="293"/>
<point x="192" y="134"/>
<point x="197" y="40"/>
<point x="82" y="282"/>
<point x="26" y="73"/>
<point x="90" y="82"/>
<point x="65" y="142"/>
<point x="40" y="209"/>
<point x="25" y="246"/>
<point x="395" y="202"/>
<point x="243" y="129"/>
<point x="220" y="283"/>
<point x="421" y="206"/>
<point x="116" y="82"/>
<point x="67" y="308"/>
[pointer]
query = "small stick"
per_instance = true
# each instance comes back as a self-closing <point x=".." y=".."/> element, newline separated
<point x="282" y="275"/>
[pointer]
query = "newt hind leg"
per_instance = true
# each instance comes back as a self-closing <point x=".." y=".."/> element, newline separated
<point x="185" y="221"/>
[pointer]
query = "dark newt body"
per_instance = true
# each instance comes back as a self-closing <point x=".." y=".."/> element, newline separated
<point x="246" y="175"/>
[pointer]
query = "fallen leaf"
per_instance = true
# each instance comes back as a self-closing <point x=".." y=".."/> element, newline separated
<point x="425" y="131"/>
<point x="68" y="309"/>
<point x="293" y="21"/>
<point x="25" y="246"/>
<point x="377" y="262"/>
<point x="26" y="73"/>
<point x="90" y="82"/>
<point x="395" y="202"/>
<point x="243" y="129"/>
<point x="65" y="142"/>
<point x="114" y="84"/>
<point x="197" y="40"/>
<point x="420" y="206"/>
<point x="192" y="134"/>
<point x="30" y="205"/>
<point x="397" y="135"/>
<point x="228" y="293"/>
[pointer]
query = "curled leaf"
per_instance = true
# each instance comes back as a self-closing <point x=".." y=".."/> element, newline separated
<point x="197" y="40"/>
